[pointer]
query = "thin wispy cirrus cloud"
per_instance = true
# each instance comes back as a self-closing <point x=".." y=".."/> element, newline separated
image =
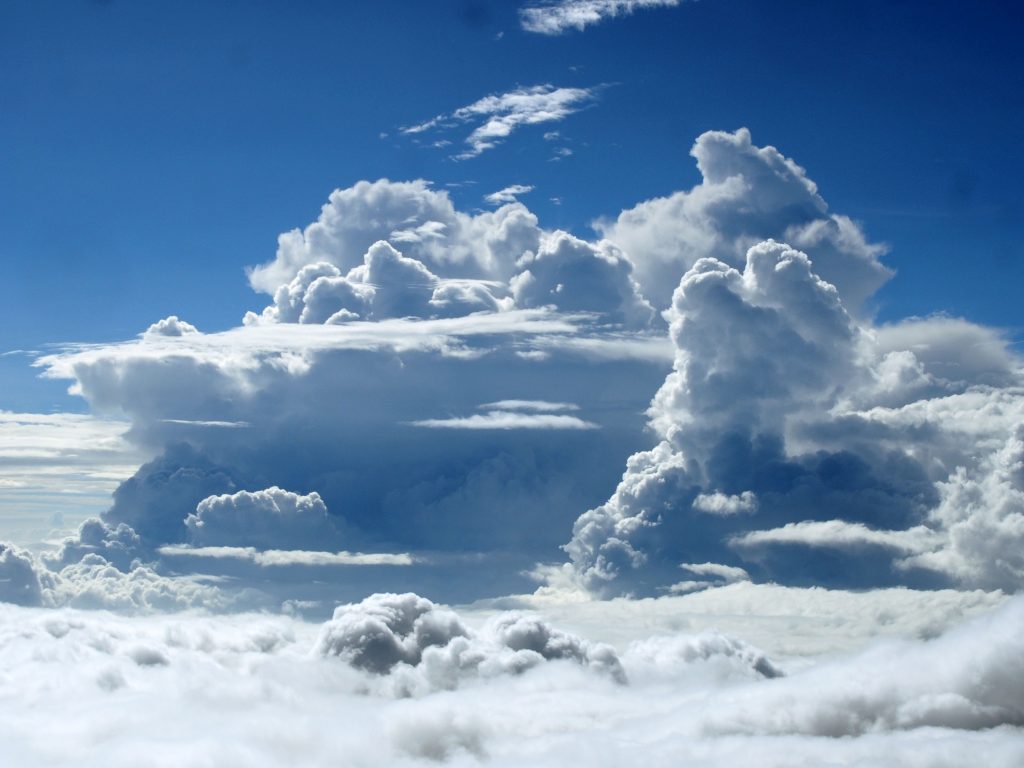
<point x="508" y="194"/>
<point x="288" y="557"/>
<point x="515" y="414"/>
<point x="556" y="17"/>
<point x="497" y="116"/>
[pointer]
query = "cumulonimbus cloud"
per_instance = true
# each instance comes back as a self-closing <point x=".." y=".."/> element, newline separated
<point x="770" y="411"/>
<point x="794" y="438"/>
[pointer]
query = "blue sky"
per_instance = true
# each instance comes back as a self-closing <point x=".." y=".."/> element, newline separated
<point x="155" y="150"/>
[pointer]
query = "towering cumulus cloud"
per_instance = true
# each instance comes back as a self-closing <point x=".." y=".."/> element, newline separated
<point x="748" y="194"/>
<point x="416" y="219"/>
<point x="805" y="446"/>
<point x="430" y="393"/>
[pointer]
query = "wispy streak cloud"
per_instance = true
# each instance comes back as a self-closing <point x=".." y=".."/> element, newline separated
<point x="508" y="420"/>
<point x="286" y="557"/>
<point x="508" y="194"/>
<point x="560" y="16"/>
<point x="497" y="116"/>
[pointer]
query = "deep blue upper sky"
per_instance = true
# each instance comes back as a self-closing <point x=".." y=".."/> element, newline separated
<point x="152" y="150"/>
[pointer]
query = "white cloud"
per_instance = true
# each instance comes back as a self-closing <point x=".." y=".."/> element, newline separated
<point x="497" y="116"/>
<point x="171" y="326"/>
<point x="574" y="275"/>
<point x="208" y="423"/>
<point x="385" y="285"/>
<point x="981" y="515"/>
<point x="748" y="194"/>
<point x="713" y="575"/>
<point x="271" y="518"/>
<point x="330" y="409"/>
<point x="508" y="194"/>
<point x="424" y="647"/>
<point x="514" y="414"/>
<point x="19" y="579"/>
<point x="93" y="582"/>
<point x="555" y="17"/>
<point x="508" y="420"/>
<point x="792" y="625"/>
<point x="543" y="406"/>
<point x="788" y="415"/>
<point x="419" y="221"/>
<point x="724" y="573"/>
<point x="830" y="435"/>
<point x="288" y="557"/>
<point x="840" y="535"/>
<point x="725" y="504"/>
<point x="727" y="657"/>
<point x="59" y="461"/>
<point x="510" y="689"/>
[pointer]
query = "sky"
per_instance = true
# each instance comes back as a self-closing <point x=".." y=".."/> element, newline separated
<point x="517" y="380"/>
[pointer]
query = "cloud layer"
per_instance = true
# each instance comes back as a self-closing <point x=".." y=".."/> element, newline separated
<point x="395" y="680"/>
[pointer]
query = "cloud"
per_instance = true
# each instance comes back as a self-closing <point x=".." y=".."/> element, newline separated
<point x="208" y="423"/>
<point x="331" y="409"/>
<point x="840" y="535"/>
<point x="288" y="557"/>
<point x="931" y="691"/>
<point x="508" y="194"/>
<point x="271" y="518"/>
<point x="426" y="647"/>
<point x="155" y="502"/>
<point x="419" y="221"/>
<point x="93" y="582"/>
<point x="794" y="439"/>
<point x="574" y="275"/>
<point x="713" y="575"/>
<point x="719" y="503"/>
<point x="748" y="194"/>
<point x="171" y="326"/>
<point x="720" y="701"/>
<point x="54" y="461"/>
<point x="442" y="270"/>
<point x="982" y="515"/>
<point x="948" y="353"/>
<point x="497" y="116"/>
<point x="556" y="17"/>
<point x="541" y="406"/>
<point x="657" y="654"/>
<point x="514" y="414"/>
<point x="770" y="412"/>
<point x="116" y="544"/>
<point x="386" y="285"/>
<point x="19" y="580"/>
<point x="508" y="420"/>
